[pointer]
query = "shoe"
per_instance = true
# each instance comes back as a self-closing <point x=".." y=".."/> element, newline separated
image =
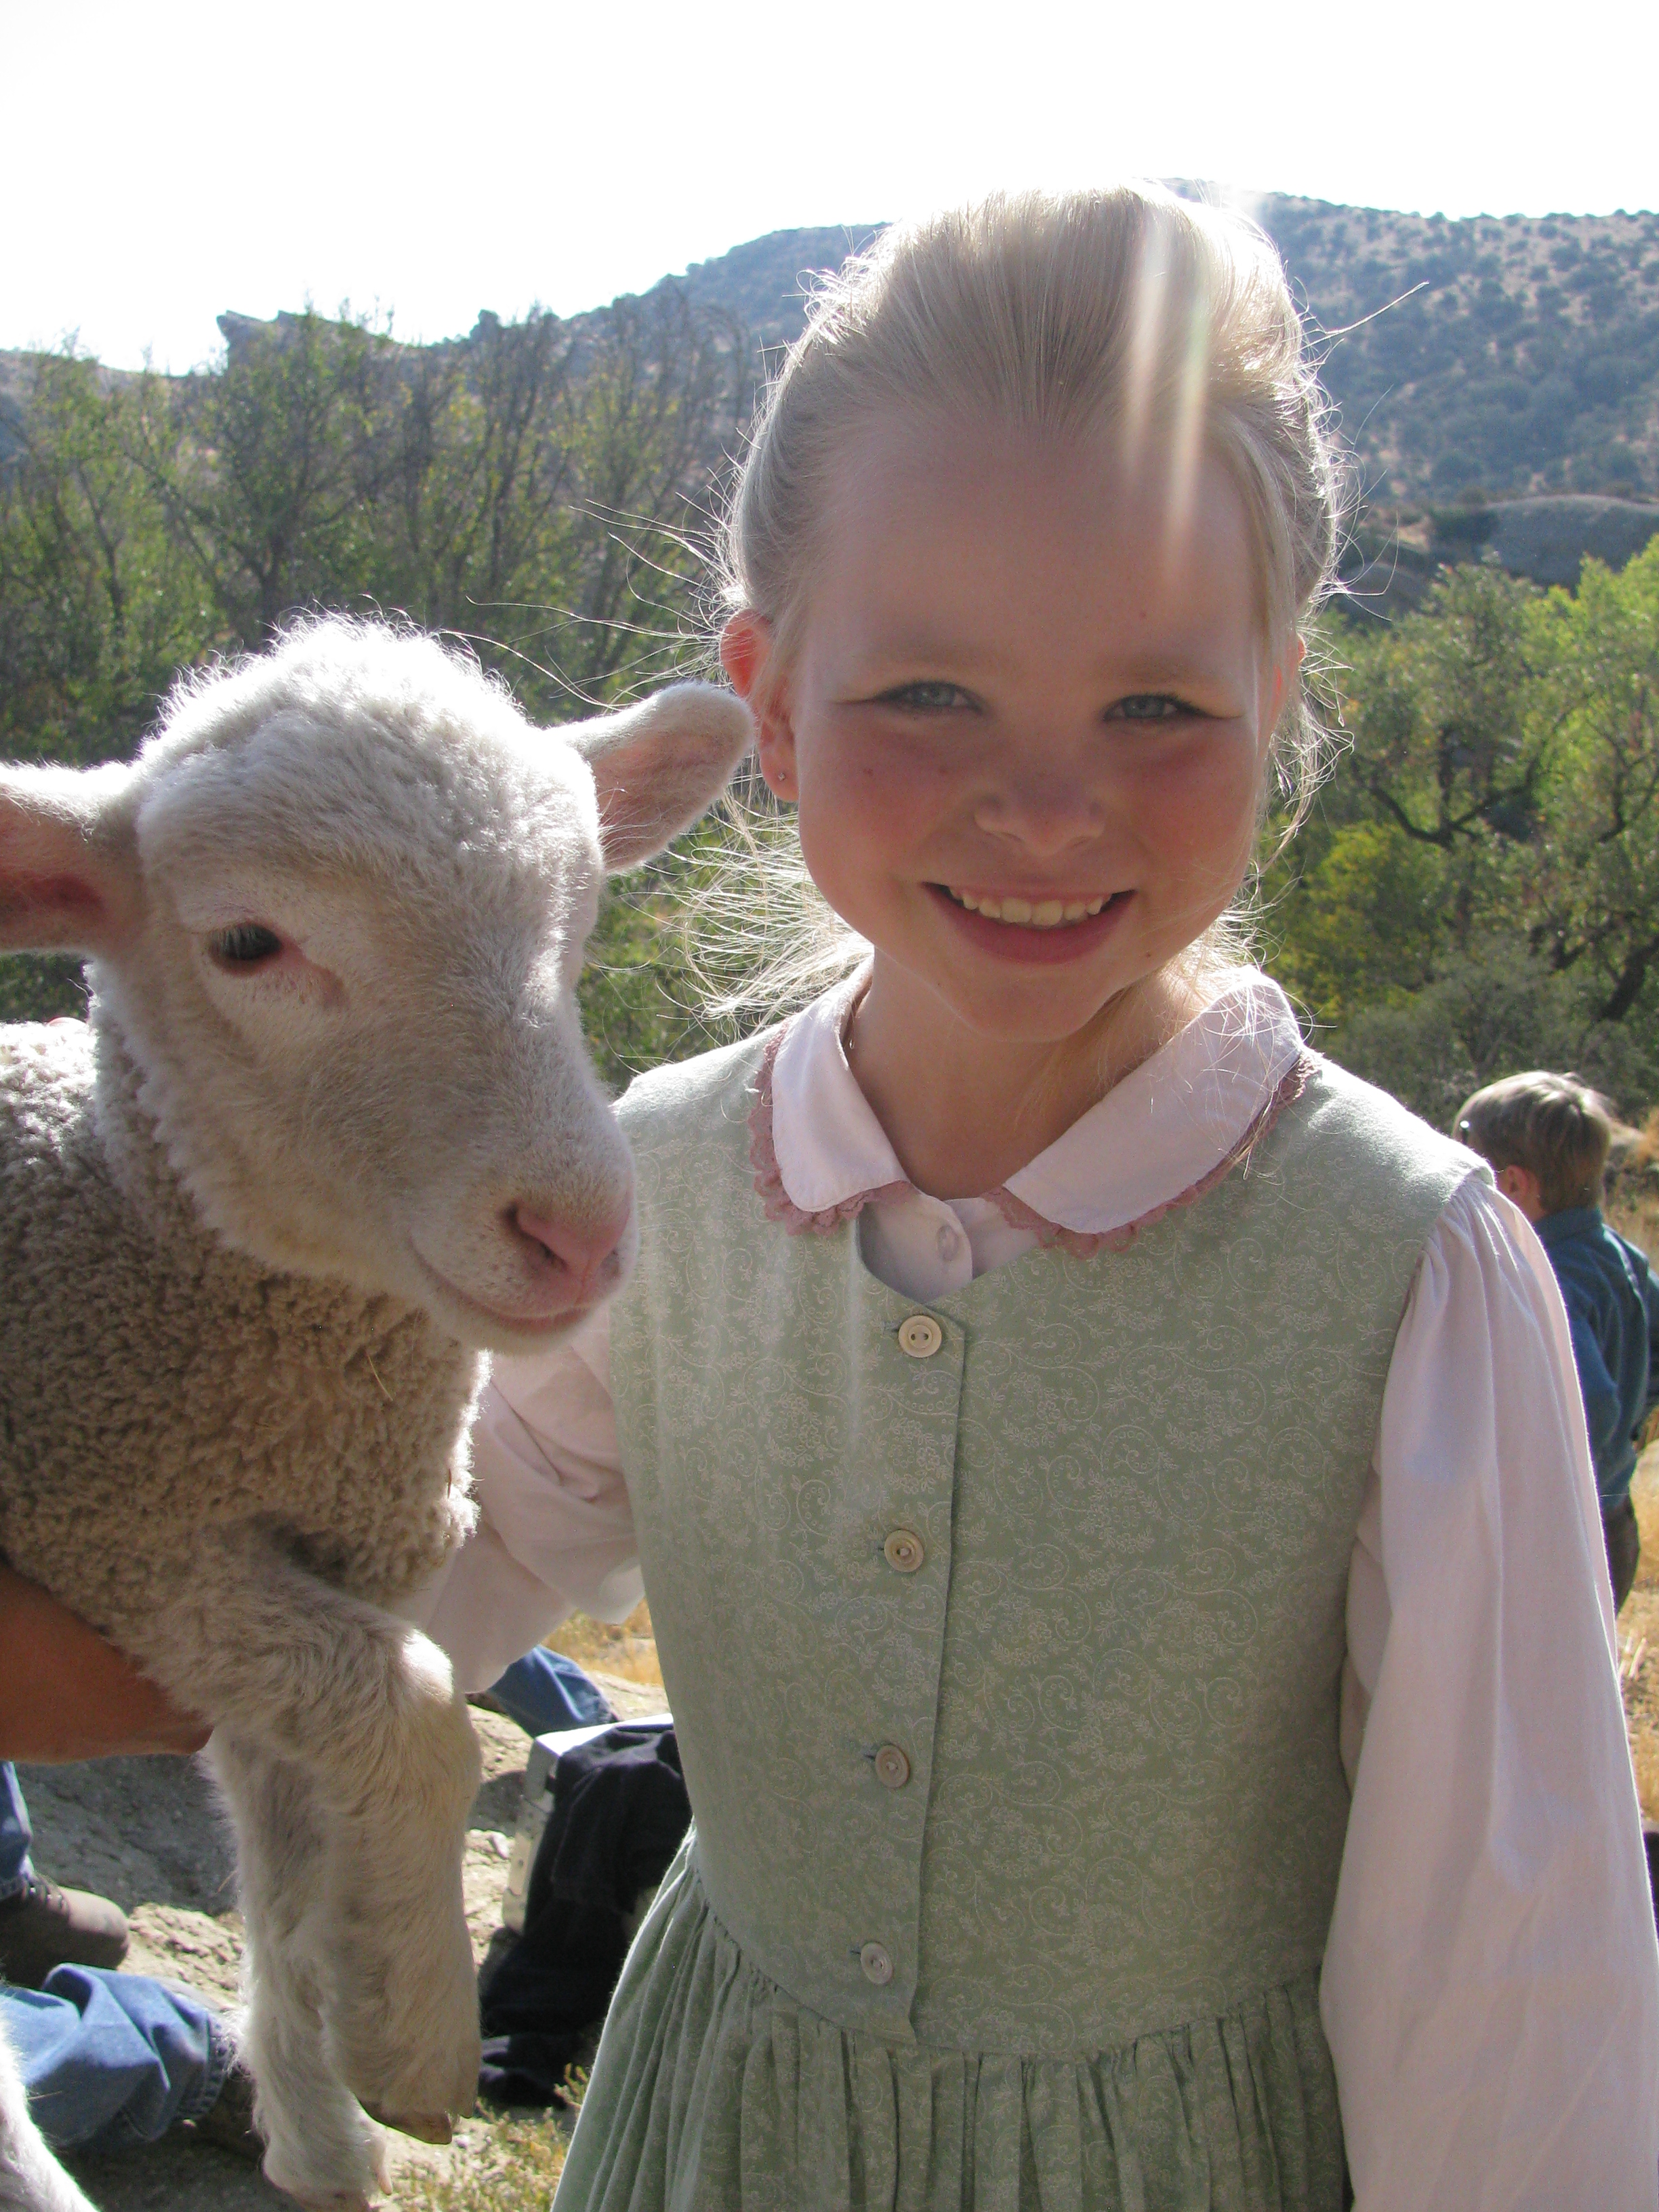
<point x="229" y="2122"/>
<point x="43" y="1927"/>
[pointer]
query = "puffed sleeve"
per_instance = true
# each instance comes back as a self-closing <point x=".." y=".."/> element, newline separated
<point x="1491" y="1988"/>
<point x="556" y="1532"/>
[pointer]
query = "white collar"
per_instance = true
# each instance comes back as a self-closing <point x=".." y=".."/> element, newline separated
<point x="1165" y="1128"/>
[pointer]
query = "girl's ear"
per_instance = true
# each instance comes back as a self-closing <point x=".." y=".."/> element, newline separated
<point x="658" y="766"/>
<point x="68" y="863"/>
<point x="746" y="651"/>
<point x="1278" y="676"/>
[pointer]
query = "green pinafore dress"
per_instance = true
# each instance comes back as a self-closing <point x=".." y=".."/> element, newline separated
<point x="1004" y="1637"/>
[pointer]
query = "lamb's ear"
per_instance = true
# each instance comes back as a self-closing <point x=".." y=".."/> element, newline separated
<point x="659" y="765"/>
<point x="69" y="869"/>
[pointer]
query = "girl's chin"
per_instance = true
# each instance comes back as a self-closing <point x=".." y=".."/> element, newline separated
<point x="1042" y="1008"/>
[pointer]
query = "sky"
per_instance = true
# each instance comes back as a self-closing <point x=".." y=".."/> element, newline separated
<point x="166" y="162"/>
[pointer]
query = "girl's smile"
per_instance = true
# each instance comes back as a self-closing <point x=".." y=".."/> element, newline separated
<point x="1025" y="721"/>
<point x="1038" y="927"/>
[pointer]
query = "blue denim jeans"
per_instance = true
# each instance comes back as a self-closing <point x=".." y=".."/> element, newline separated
<point x="14" y="1833"/>
<point x="112" y="2059"/>
<point x="544" y="1692"/>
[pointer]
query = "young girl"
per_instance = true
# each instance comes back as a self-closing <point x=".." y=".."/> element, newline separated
<point x="1061" y="1421"/>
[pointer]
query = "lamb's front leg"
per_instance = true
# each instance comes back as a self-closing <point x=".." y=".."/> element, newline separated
<point x="320" y="2146"/>
<point x="401" y="1965"/>
<point x="364" y="1705"/>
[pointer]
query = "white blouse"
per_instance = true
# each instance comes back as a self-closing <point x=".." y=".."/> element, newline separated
<point x="1491" y="1985"/>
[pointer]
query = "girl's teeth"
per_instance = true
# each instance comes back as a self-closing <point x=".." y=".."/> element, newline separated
<point x="1044" y="913"/>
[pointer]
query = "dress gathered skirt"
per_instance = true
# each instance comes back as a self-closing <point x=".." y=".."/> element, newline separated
<point x="715" y="2091"/>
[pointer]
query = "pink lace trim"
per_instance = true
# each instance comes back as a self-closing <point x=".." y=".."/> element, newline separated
<point x="1081" y="1244"/>
<point x="1084" y="1245"/>
<point x="768" y="1177"/>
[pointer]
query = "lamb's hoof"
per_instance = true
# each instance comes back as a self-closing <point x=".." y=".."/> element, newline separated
<point x="425" y="2127"/>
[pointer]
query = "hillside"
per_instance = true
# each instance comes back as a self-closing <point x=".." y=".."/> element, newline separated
<point x="1525" y="359"/>
<point x="1496" y="379"/>
<point x="1503" y="354"/>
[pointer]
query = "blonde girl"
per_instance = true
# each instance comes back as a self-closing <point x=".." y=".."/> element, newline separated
<point x="1110" y="1487"/>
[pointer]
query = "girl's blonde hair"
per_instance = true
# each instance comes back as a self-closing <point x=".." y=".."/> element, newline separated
<point x="1167" y="322"/>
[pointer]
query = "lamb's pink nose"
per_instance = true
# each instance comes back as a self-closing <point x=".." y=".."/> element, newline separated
<point x="586" y="1251"/>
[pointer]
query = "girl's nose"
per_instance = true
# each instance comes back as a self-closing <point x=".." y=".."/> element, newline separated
<point x="1045" y="816"/>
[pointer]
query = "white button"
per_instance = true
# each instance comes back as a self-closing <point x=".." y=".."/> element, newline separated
<point x="876" y="1965"/>
<point x="903" y="1551"/>
<point x="892" y="1767"/>
<point x="921" y="1336"/>
<point x="948" y="1241"/>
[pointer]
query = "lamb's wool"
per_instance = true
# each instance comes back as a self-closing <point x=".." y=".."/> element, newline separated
<point x="154" y="1383"/>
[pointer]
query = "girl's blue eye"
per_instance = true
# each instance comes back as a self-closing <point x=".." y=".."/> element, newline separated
<point x="1150" y="706"/>
<point x="926" y="697"/>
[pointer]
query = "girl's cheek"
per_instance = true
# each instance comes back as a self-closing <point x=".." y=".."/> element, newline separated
<point x="1201" y="807"/>
<point x="868" y="775"/>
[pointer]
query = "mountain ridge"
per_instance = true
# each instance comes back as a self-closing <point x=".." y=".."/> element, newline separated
<point x="1477" y="368"/>
<point x="1508" y="355"/>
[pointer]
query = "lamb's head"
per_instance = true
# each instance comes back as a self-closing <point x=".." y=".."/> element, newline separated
<point x="336" y="911"/>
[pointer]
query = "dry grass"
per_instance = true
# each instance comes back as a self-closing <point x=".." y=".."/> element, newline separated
<point x="1633" y="1199"/>
<point x="625" y="1648"/>
<point x="1639" y="1640"/>
<point x="520" y="2162"/>
<point x="1632" y="1208"/>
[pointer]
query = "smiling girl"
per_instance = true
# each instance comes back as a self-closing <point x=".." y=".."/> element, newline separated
<point x="1110" y="1486"/>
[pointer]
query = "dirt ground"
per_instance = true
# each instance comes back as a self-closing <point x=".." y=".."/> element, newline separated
<point x="145" y="1831"/>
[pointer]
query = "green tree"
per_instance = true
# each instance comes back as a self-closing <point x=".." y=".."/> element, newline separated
<point x="98" y="606"/>
<point x="1367" y="919"/>
<point x="1445" y="746"/>
<point x="540" y="490"/>
<point x="1479" y="890"/>
<point x="1597" y="884"/>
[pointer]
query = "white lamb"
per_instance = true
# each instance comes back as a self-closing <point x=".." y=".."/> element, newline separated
<point x="329" y="1134"/>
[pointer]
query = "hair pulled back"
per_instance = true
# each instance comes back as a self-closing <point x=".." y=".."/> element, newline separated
<point x="1125" y="309"/>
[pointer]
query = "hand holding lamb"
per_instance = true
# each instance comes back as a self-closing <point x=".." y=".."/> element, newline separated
<point x="329" y="1134"/>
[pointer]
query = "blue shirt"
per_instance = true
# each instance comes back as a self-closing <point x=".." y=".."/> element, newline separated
<point x="1612" y="1297"/>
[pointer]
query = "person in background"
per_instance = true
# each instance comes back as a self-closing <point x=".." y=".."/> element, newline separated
<point x="1546" y="1137"/>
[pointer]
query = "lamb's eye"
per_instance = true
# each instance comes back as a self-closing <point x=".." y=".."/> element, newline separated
<point x="246" y="945"/>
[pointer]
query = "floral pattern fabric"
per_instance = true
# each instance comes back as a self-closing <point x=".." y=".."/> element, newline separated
<point x="1080" y="1563"/>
